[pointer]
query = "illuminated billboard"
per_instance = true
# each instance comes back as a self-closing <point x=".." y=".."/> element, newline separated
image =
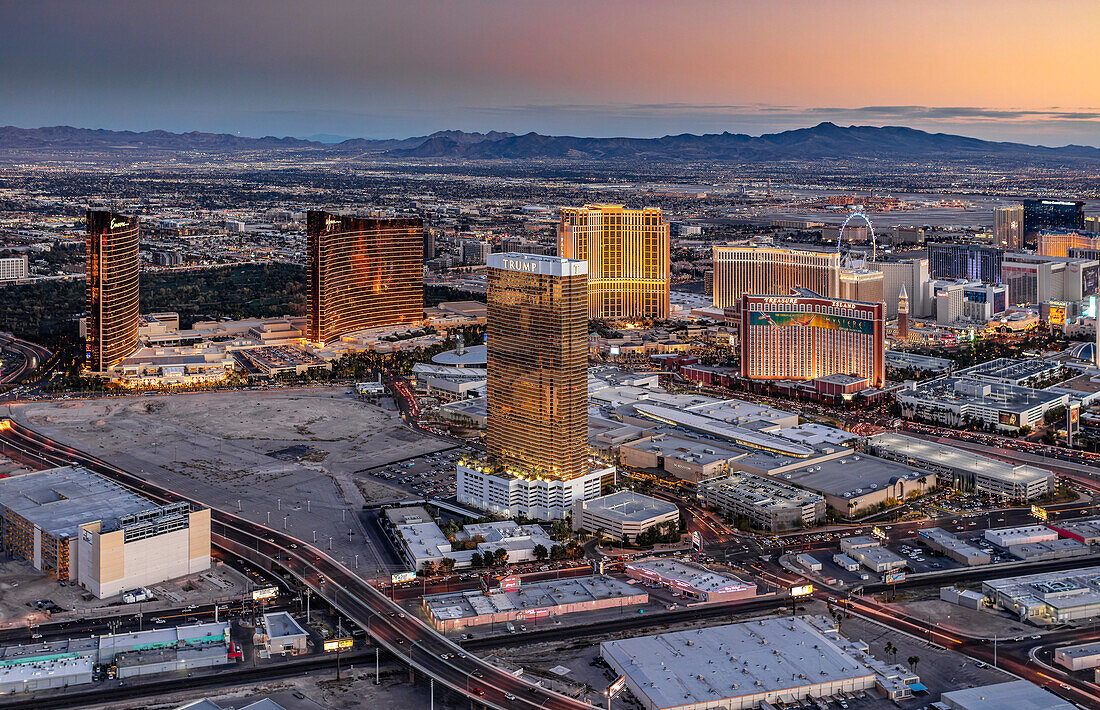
<point x="265" y="593"/>
<point x="614" y="688"/>
<point x="399" y="577"/>
<point x="802" y="590"/>
<point x="337" y="644"/>
<point x="1038" y="512"/>
<point x="893" y="577"/>
<point x="784" y="319"/>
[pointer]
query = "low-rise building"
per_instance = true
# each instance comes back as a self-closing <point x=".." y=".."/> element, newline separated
<point x="966" y="470"/>
<point x="869" y="552"/>
<point x="1086" y="531"/>
<point x="957" y="401"/>
<point x="624" y="514"/>
<point x="1078" y="657"/>
<point x="530" y="603"/>
<point x="1049" y="550"/>
<point x="1013" y="694"/>
<point x="768" y="504"/>
<point x="1020" y="535"/>
<point x="283" y="635"/>
<point x="771" y="661"/>
<point x="1049" y="597"/>
<point x="690" y="580"/>
<point x="84" y="528"/>
<point x="950" y="546"/>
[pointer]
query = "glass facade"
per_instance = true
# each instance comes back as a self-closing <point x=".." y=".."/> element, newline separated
<point x="537" y="362"/>
<point x="973" y="262"/>
<point x="1053" y="214"/>
<point x="772" y="271"/>
<point x="364" y="272"/>
<point x="628" y="258"/>
<point x="111" y="323"/>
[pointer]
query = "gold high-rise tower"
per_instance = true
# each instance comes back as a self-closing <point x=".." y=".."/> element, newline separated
<point x="111" y="323"/>
<point x="628" y="258"/>
<point x="364" y="272"/>
<point x="537" y="362"/>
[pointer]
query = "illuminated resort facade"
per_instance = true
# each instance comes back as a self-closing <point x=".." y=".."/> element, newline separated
<point x="628" y="258"/>
<point x="537" y="413"/>
<point x="111" y="323"/>
<point x="746" y="269"/>
<point x="806" y="336"/>
<point x="1059" y="242"/>
<point x="364" y="272"/>
<point x="740" y="270"/>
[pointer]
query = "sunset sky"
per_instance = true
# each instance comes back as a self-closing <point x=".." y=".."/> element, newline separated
<point x="1022" y="70"/>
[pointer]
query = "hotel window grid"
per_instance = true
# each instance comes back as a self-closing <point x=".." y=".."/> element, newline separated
<point x="537" y="359"/>
<point x="628" y="258"/>
<point x="364" y="273"/>
<point x="111" y="324"/>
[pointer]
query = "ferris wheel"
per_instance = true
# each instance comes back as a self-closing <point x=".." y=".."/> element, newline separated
<point x="870" y="230"/>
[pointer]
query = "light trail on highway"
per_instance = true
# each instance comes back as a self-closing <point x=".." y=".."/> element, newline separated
<point x="407" y="638"/>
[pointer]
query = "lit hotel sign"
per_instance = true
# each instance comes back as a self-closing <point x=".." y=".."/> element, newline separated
<point x="517" y="265"/>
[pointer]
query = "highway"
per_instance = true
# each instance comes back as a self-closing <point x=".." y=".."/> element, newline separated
<point x="407" y="638"/>
<point x="33" y="356"/>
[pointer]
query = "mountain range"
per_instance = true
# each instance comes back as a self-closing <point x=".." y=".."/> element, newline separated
<point x="821" y="142"/>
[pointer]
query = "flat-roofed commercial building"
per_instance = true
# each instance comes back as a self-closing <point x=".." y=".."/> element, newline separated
<point x="949" y="545"/>
<point x="773" y="661"/>
<point x="807" y="336"/>
<point x="855" y="483"/>
<point x="966" y="470"/>
<point x="1078" y="657"/>
<point x="84" y="528"/>
<point x="690" y="580"/>
<point x="111" y="257"/>
<point x="1026" y="535"/>
<point x="624" y="514"/>
<point x="364" y="272"/>
<point x="769" y="504"/>
<point x="954" y="400"/>
<point x="628" y="258"/>
<point x="869" y="552"/>
<point x="1013" y="694"/>
<point x="533" y="603"/>
<point x="537" y="385"/>
<point x="1086" y="531"/>
<point x="739" y="270"/>
<point x="1049" y="597"/>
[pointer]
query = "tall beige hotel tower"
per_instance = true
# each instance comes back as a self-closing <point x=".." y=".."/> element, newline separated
<point x="627" y="255"/>
<point x="537" y="413"/>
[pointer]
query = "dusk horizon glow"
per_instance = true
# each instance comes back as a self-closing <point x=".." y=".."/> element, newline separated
<point x="993" y="70"/>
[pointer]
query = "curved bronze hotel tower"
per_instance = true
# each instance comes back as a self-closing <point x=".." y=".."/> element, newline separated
<point x="111" y="325"/>
<point x="364" y="272"/>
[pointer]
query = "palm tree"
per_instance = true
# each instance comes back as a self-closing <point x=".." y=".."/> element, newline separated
<point x="913" y="661"/>
<point x="889" y="648"/>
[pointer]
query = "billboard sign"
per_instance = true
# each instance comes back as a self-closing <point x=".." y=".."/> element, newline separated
<point x="894" y="577"/>
<point x="696" y="540"/>
<point x="616" y="687"/>
<point x="509" y="583"/>
<point x="400" y="577"/>
<point x="802" y="590"/>
<point x="1040" y="513"/>
<point x="265" y="593"/>
<point x="878" y="532"/>
<point x="782" y="319"/>
<point x="337" y="644"/>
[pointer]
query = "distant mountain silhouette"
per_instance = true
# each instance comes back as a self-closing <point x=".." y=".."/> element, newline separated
<point x="822" y="142"/>
<point x="67" y="137"/>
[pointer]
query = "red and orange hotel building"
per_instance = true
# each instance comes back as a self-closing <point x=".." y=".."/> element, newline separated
<point x="364" y="272"/>
<point x="111" y="322"/>
<point x="805" y="336"/>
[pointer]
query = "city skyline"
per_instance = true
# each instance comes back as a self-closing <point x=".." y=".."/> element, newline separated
<point x="746" y="67"/>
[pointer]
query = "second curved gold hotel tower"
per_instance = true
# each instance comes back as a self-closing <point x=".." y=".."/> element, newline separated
<point x="364" y="272"/>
